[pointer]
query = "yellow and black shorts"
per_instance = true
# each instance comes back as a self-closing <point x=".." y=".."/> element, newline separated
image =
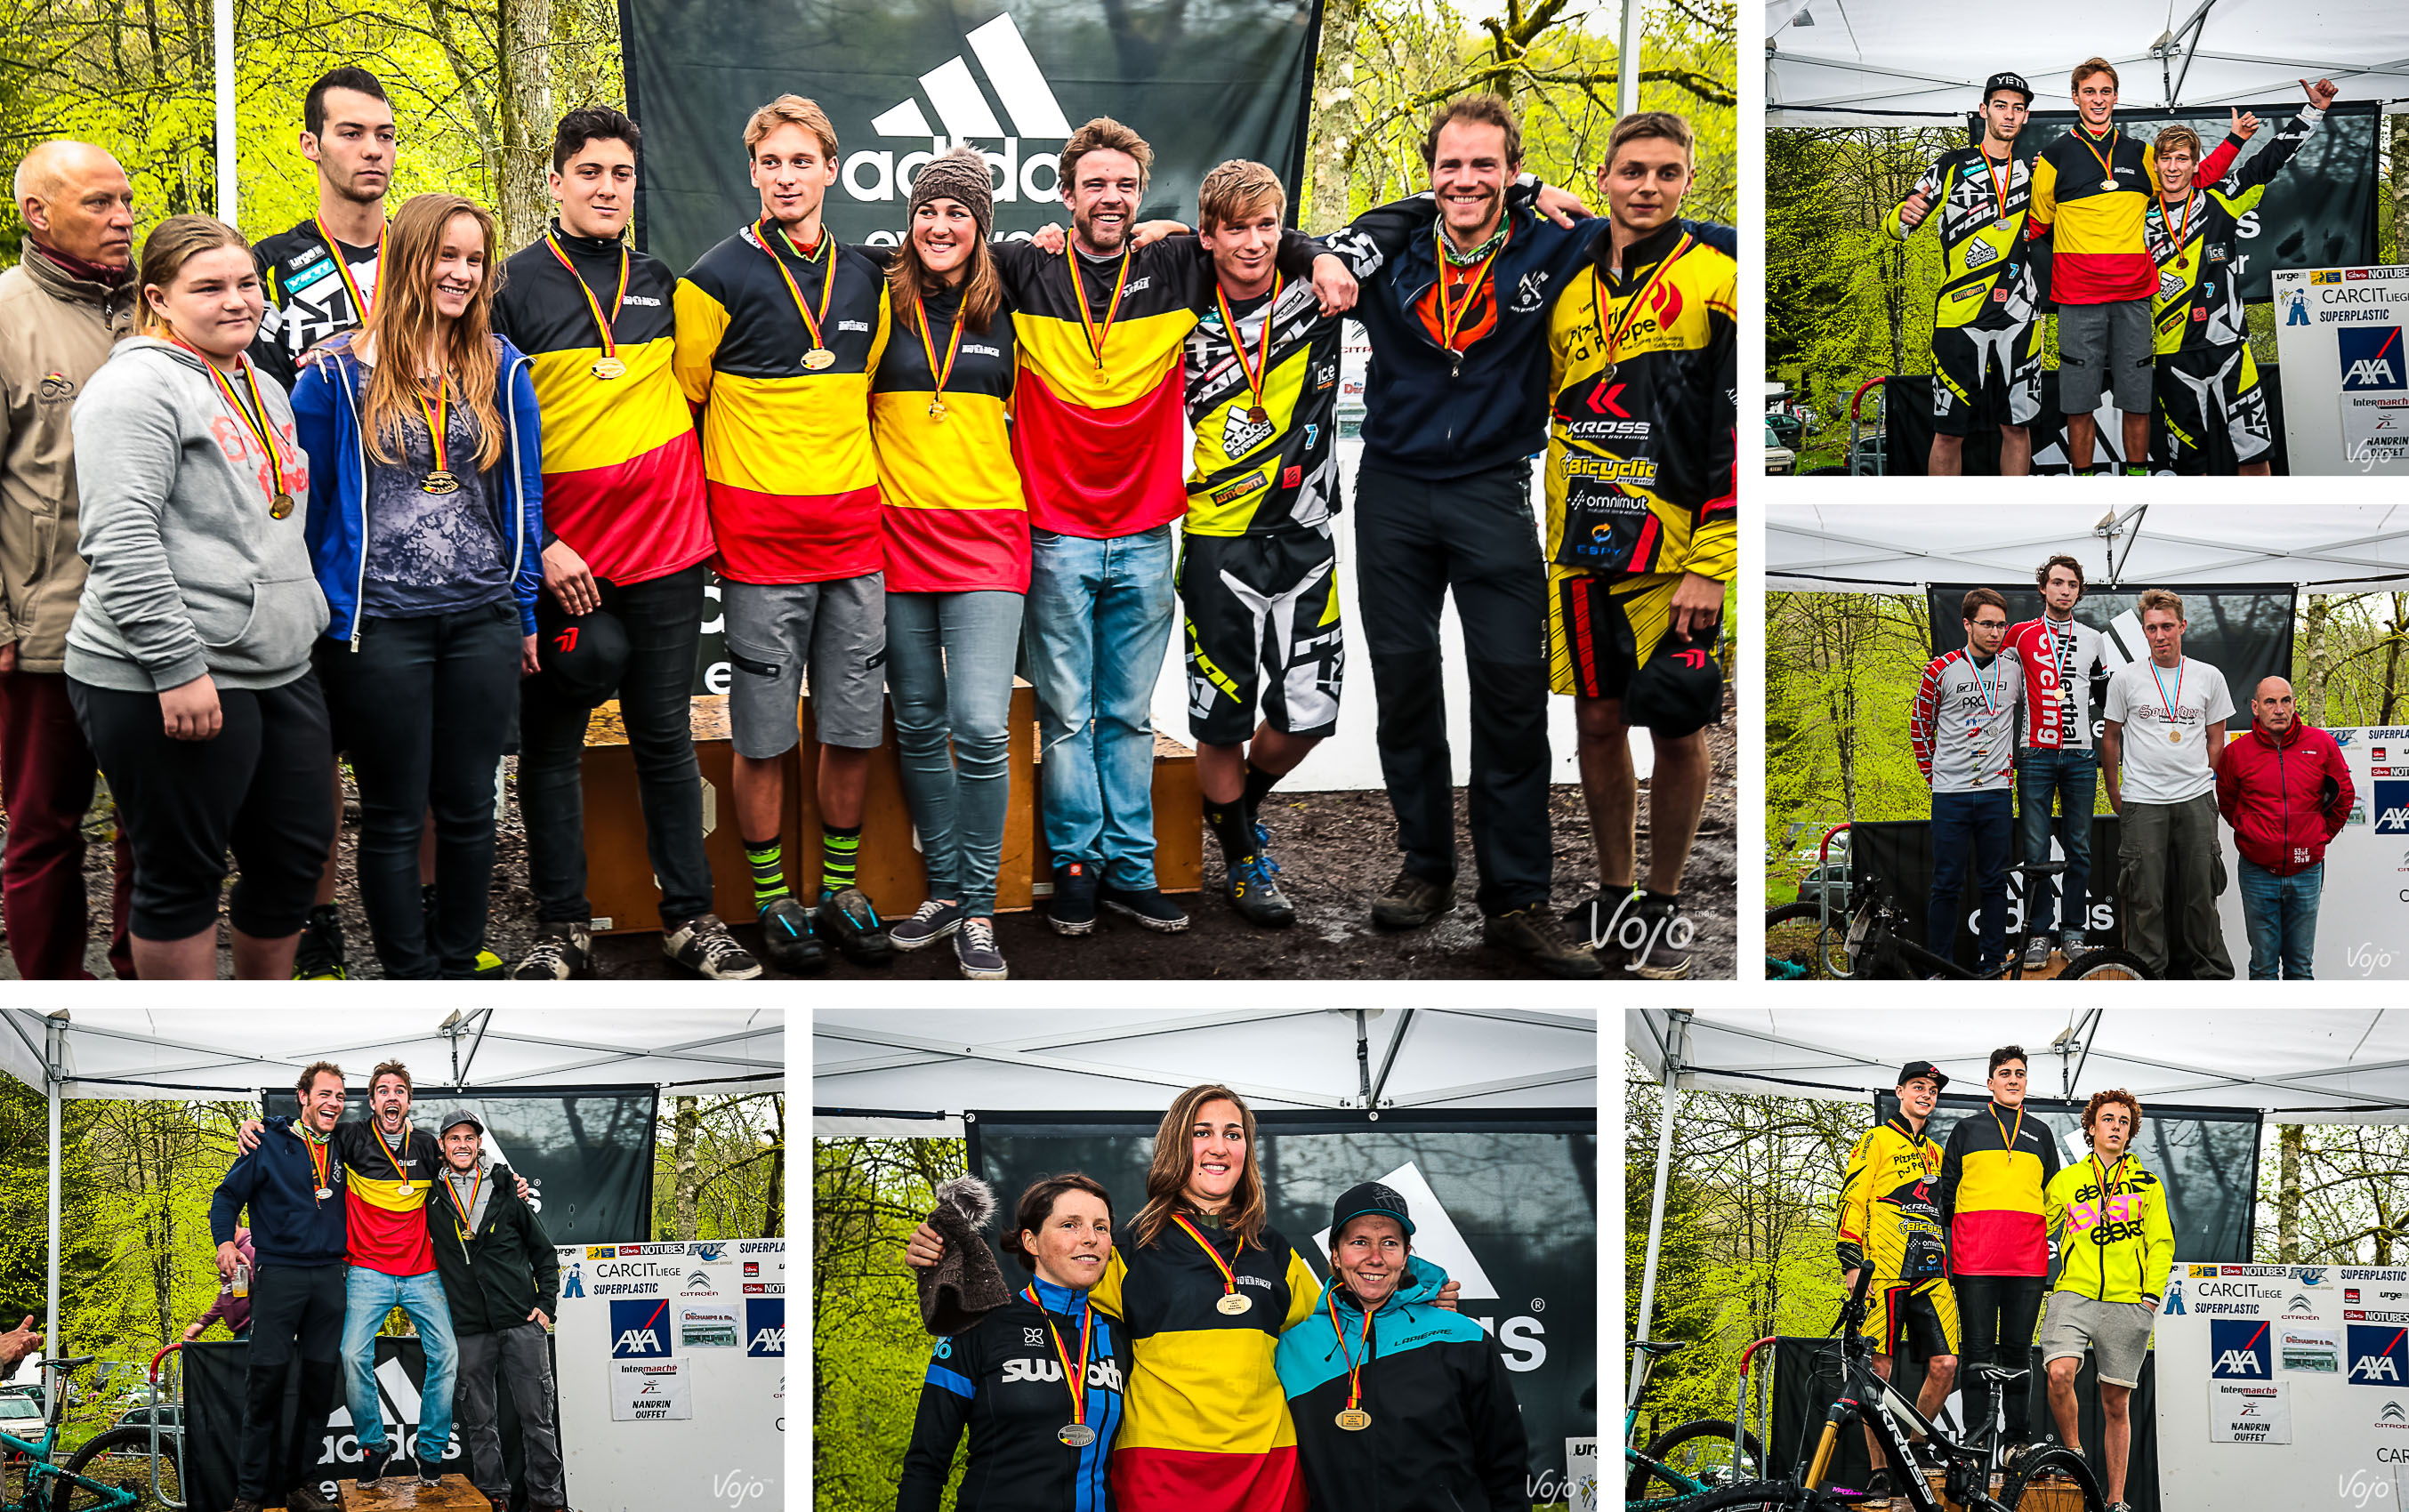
<point x="1263" y="632"/>
<point x="1602" y="629"/>
<point x="2214" y="409"/>
<point x="1919" y="1316"/>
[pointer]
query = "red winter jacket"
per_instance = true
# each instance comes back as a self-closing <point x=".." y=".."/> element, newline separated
<point x="2285" y="796"/>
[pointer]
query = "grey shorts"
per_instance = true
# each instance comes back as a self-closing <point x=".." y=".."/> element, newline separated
<point x="836" y="629"/>
<point x="2104" y="348"/>
<point x="2118" y="1334"/>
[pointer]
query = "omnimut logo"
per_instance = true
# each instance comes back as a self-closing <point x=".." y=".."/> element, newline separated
<point x="964" y="115"/>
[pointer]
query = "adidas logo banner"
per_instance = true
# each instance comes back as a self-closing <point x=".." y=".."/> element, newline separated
<point x="903" y="84"/>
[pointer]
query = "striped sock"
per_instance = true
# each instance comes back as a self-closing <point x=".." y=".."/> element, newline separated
<point x="838" y="850"/>
<point x="769" y="871"/>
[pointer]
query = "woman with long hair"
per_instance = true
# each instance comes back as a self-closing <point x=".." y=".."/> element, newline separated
<point x="957" y="530"/>
<point x="426" y="527"/>
<point x="188" y="659"/>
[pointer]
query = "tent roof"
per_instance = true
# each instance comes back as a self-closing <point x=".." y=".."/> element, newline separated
<point x="210" y="1052"/>
<point x="1860" y="62"/>
<point x="2298" y="1065"/>
<point x="947" y="1059"/>
<point x="1862" y="547"/>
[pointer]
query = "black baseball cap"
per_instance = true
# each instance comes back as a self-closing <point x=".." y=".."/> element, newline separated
<point x="1368" y="1197"/>
<point x="1915" y="1069"/>
<point x="582" y="655"/>
<point x="2014" y="81"/>
<point x="1680" y="689"/>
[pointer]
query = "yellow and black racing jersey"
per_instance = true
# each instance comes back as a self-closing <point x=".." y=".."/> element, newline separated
<point x="2194" y="243"/>
<point x="1890" y="1206"/>
<point x="1977" y="208"/>
<point x="1640" y="446"/>
<point x="1252" y="477"/>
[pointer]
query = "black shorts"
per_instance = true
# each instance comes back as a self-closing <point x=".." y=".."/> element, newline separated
<point x="2215" y="411"/>
<point x="1258" y="604"/>
<point x="1984" y="377"/>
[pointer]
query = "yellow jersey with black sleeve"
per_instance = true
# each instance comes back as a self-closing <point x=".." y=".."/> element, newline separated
<point x="2196" y="242"/>
<point x="1206" y="1426"/>
<point x="786" y="433"/>
<point x="955" y="519"/>
<point x="1890" y="1206"/>
<point x="1977" y="211"/>
<point x="1247" y="476"/>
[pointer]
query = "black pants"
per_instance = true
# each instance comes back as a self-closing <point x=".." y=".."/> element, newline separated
<point x="1995" y="1316"/>
<point x="521" y="1355"/>
<point x="663" y="619"/>
<point x="296" y="1323"/>
<point x="1415" y="540"/>
<point x="423" y="708"/>
<point x="184" y="803"/>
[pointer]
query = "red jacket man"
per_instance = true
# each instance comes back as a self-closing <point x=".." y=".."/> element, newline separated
<point x="2285" y="789"/>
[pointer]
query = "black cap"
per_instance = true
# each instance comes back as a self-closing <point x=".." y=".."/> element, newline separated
<point x="1680" y="689"/>
<point x="1368" y="1197"/>
<point x="582" y="657"/>
<point x="1915" y="1069"/>
<point x="2014" y="81"/>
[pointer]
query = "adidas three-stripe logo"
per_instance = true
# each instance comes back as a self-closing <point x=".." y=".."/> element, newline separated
<point x="1013" y="74"/>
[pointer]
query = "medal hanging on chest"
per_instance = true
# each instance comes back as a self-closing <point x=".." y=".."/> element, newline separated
<point x="1260" y="373"/>
<point x="404" y="1188"/>
<point x="321" y="1165"/>
<point x="467" y="1209"/>
<point x="253" y="416"/>
<point x="1352" y="1417"/>
<point x="608" y="366"/>
<point x="1097" y="334"/>
<point x="1233" y="1301"/>
<point x="1451" y="317"/>
<point x="1610" y="335"/>
<point x="817" y="357"/>
<point x="440" y="483"/>
<point x="1076" y="1433"/>
<point x="2173" y="707"/>
<point x="939" y="377"/>
<point x="2106" y="160"/>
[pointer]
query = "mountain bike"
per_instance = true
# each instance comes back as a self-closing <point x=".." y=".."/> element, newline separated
<point x="108" y="1474"/>
<point x="1693" y="1458"/>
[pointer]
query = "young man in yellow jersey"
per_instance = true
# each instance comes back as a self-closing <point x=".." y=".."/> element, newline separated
<point x="1642" y="534"/>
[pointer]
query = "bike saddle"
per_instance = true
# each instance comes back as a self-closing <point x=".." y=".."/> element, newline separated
<point x="1990" y="1374"/>
<point x="1659" y="1346"/>
<point x="63" y="1364"/>
<point x="2037" y="869"/>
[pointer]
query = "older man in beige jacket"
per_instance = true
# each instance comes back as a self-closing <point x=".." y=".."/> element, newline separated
<point x="61" y="309"/>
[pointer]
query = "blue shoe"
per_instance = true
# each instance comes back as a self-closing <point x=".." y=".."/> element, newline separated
<point x="1147" y="906"/>
<point x="930" y="922"/>
<point x="1254" y="894"/>
<point x="1072" y="909"/>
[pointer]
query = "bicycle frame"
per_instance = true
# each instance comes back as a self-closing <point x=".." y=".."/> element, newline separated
<point x="38" y="1466"/>
<point x="1635" y="1458"/>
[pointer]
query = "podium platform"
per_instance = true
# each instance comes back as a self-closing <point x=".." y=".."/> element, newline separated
<point x="2047" y="1496"/>
<point x="403" y="1494"/>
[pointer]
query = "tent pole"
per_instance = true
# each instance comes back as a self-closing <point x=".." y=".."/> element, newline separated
<point x="54" y="1055"/>
<point x="1627" y="60"/>
<point x="229" y="168"/>
<point x="1679" y="1025"/>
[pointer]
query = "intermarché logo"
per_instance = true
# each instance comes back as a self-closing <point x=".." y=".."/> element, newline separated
<point x="964" y="115"/>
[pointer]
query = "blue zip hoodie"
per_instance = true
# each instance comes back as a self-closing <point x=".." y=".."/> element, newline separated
<point x="327" y="415"/>
<point x="289" y="1225"/>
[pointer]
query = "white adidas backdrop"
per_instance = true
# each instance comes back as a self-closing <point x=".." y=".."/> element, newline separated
<point x="672" y="1360"/>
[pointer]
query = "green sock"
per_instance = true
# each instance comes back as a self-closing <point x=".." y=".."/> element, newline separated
<point x="769" y="871"/>
<point x="838" y="850"/>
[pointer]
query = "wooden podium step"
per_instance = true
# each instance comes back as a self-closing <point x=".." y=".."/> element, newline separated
<point x="403" y="1494"/>
<point x="2047" y="1496"/>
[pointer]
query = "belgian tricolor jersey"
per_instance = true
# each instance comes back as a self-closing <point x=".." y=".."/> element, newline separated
<point x="1993" y="1171"/>
<point x="956" y="519"/>
<point x="2089" y="194"/>
<point x="786" y="446"/>
<point x="622" y="467"/>
<point x="387" y="1223"/>
<point x="1977" y="210"/>
<point x="2194" y="243"/>
<point x="1640" y="444"/>
<point x="1253" y="476"/>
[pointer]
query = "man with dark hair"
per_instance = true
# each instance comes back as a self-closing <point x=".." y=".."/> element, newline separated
<point x="626" y="554"/>
<point x="2065" y="771"/>
<point x="1890" y="1223"/>
<point x="2285" y="789"/>
<point x="2163" y="738"/>
<point x="1994" y="1171"/>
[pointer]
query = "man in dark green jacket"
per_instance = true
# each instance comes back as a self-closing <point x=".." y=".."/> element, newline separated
<point x="502" y="1279"/>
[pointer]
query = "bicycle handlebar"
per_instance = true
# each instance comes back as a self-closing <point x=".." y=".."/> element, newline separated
<point x="160" y="1356"/>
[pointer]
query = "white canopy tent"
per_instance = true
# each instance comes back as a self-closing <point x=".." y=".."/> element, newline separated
<point x="2294" y="1065"/>
<point x="1888" y="62"/>
<point x="223" y="1053"/>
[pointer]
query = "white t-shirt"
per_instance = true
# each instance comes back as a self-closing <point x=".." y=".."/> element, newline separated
<point x="2166" y="760"/>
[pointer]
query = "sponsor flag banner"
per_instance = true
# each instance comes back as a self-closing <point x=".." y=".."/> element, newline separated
<point x="1506" y="1204"/>
<point x="2343" y="337"/>
<point x="645" y="1391"/>
<point x="2242" y="1412"/>
<point x="902" y="84"/>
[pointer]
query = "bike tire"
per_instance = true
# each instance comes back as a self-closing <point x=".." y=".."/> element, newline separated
<point x="92" y="1463"/>
<point x="2108" y="965"/>
<point x="1647" y="1489"/>
<point x="1757" y="1496"/>
<point x="1798" y="935"/>
<point x="2057" y="1461"/>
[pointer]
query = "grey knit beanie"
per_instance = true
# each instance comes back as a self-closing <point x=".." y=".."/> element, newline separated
<point x="960" y="174"/>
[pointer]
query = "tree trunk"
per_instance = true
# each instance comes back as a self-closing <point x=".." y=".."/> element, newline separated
<point x="773" y="1220"/>
<point x="2400" y="186"/>
<point x="688" y="1121"/>
<point x="523" y="33"/>
<point x="1333" y="115"/>
<point x="2314" y="659"/>
<point x="2289" y="1142"/>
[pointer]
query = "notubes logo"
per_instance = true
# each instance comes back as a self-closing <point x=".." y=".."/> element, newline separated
<point x="965" y="115"/>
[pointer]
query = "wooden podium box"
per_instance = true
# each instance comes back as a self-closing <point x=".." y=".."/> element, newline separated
<point x="619" y="873"/>
<point x="403" y="1494"/>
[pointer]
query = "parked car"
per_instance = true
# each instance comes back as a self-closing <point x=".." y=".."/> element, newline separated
<point x="170" y="1416"/>
<point x="1830" y="883"/>
<point x="1780" y="460"/>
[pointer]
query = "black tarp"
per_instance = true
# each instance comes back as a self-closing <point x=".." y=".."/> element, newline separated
<point x="1897" y="856"/>
<point x="1907" y="435"/>
<point x="1520" y="1187"/>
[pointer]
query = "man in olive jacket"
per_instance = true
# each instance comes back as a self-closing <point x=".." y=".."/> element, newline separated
<point x="502" y="1279"/>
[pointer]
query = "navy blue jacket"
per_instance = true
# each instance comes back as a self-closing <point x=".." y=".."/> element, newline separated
<point x="289" y="1226"/>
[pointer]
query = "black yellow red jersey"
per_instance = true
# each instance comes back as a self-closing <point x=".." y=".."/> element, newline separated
<point x="2088" y="193"/>
<point x="1253" y="476"/>
<point x="386" y="1183"/>
<point x="956" y="519"/>
<point x="316" y="289"/>
<point x="1640" y="448"/>
<point x="1207" y="1426"/>
<point x="622" y="466"/>
<point x="1097" y="430"/>
<point x="1976" y="207"/>
<point x="1890" y="1206"/>
<point x="2196" y="242"/>
<point x="786" y="446"/>
<point x="1993" y="1171"/>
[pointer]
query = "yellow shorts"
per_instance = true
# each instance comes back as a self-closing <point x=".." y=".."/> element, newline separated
<point x="1601" y="629"/>
<point x="1922" y="1317"/>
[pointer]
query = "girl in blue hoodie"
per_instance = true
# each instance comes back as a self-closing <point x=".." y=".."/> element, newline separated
<point x="427" y="531"/>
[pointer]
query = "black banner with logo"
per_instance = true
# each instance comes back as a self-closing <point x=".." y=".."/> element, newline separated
<point x="1907" y="432"/>
<point x="1506" y="1203"/>
<point x="587" y="1150"/>
<point x="1896" y="857"/>
<point x="904" y="83"/>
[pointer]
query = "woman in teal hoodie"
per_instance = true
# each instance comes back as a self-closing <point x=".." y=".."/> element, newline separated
<point x="426" y="529"/>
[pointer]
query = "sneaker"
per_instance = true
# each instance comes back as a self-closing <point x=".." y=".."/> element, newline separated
<point x="1662" y="953"/>
<point x="1254" y="894"/>
<point x="564" y="951"/>
<point x="1072" y="909"/>
<point x="974" y="951"/>
<point x="310" y="1498"/>
<point x="373" y="1462"/>
<point x="1412" y="902"/>
<point x="703" y="945"/>
<point x="846" y="917"/>
<point x="2069" y="944"/>
<point x="1538" y="936"/>
<point x="319" y="957"/>
<point x="787" y="940"/>
<point x="2036" y="952"/>
<point x="432" y="1475"/>
<point x="929" y="923"/>
<point x="1599" y="921"/>
<point x="1147" y="906"/>
<point x="243" y="1504"/>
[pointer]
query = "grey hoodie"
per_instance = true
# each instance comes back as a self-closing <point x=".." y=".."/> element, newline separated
<point x="190" y="573"/>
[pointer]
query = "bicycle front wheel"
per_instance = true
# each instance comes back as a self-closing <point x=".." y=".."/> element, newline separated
<point x="1702" y="1451"/>
<point x="1798" y="943"/>
<point x="119" y="1460"/>
<point x="2105" y="966"/>
<point x="2053" y="1469"/>
<point x="1761" y="1496"/>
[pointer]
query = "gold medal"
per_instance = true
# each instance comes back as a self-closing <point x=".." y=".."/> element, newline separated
<point x="406" y="1189"/>
<point x="1258" y="374"/>
<point x="281" y="508"/>
<point x="2174" y="737"/>
<point x="1354" y="1419"/>
<point x="2107" y="186"/>
<point x="816" y="355"/>
<point x="443" y="481"/>
<point x="819" y="357"/>
<point x="939" y="375"/>
<point x="254" y="416"/>
<point x="936" y="408"/>
<point x="1078" y="1435"/>
<point x="608" y="367"/>
<point x="1097" y="334"/>
<point x="1234" y="1304"/>
<point x="440" y="483"/>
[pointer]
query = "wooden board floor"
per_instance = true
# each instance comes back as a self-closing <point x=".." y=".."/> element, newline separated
<point x="403" y="1494"/>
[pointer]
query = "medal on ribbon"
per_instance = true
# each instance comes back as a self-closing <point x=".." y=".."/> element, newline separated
<point x="817" y="356"/>
<point x="440" y="483"/>
<point x="1258" y="375"/>
<point x="1352" y="1417"/>
<point x="320" y="1164"/>
<point x="939" y="376"/>
<point x="405" y="1189"/>
<point x="610" y="365"/>
<point x="2108" y="185"/>
<point x="1451" y="320"/>
<point x="1610" y="336"/>
<point x="253" y="416"/>
<point x="2175" y="707"/>
<point x="1076" y="1432"/>
<point x="1233" y="1301"/>
<point x="1097" y="334"/>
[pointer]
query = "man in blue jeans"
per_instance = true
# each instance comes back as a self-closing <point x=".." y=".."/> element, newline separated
<point x="2285" y="789"/>
<point x="1963" y="730"/>
<point x="2067" y="774"/>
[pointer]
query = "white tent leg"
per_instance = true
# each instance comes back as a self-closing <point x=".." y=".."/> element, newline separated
<point x="55" y="1053"/>
<point x="229" y="168"/>
<point x="1627" y="60"/>
<point x="1657" y="1212"/>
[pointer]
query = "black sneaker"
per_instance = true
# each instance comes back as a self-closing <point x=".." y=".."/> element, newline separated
<point x="1604" y="924"/>
<point x="975" y="953"/>
<point x="1662" y="953"/>
<point x="1538" y="937"/>
<point x="1254" y="894"/>
<point x="703" y="945"/>
<point x="373" y="1462"/>
<point x="1072" y="909"/>
<point x="929" y="923"/>
<point x="430" y="1475"/>
<point x="308" y="1498"/>
<point x="1412" y="902"/>
<point x="319" y="957"/>
<point x="847" y="917"/>
<point x="564" y="951"/>
<point x="1145" y="905"/>
<point x="788" y="938"/>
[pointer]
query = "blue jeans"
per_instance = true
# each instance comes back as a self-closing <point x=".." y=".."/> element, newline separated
<point x="2281" y="913"/>
<point x="2071" y="778"/>
<point x="949" y="676"/>
<point x="1099" y="625"/>
<point x="1975" y="826"/>
<point x="367" y="1296"/>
